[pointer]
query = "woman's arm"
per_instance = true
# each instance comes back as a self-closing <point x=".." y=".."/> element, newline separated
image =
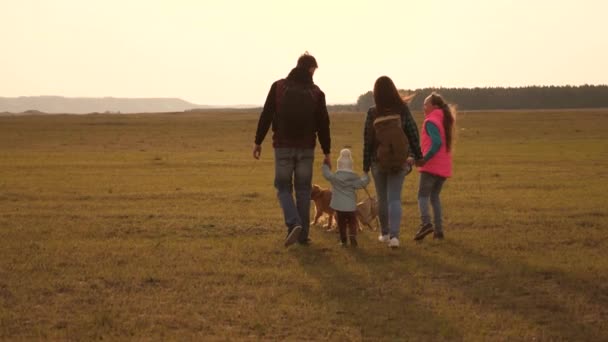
<point x="411" y="131"/>
<point x="368" y="141"/>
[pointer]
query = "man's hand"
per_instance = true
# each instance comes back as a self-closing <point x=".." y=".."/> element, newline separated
<point x="257" y="151"/>
<point x="327" y="160"/>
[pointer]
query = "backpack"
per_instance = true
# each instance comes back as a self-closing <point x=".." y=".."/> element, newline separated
<point x="296" y="104"/>
<point x="392" y="144"/>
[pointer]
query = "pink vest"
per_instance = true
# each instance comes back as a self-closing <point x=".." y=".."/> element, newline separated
<point x="441" y="163"/>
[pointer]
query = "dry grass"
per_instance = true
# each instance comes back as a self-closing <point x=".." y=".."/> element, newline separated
<point x="162" y="226"/>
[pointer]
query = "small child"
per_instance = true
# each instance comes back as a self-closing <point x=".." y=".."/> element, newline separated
<point x="436" y="166"/>
<point x="344" y="197"/>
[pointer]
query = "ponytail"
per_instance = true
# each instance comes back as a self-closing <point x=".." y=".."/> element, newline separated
<point x="449" y="118"/>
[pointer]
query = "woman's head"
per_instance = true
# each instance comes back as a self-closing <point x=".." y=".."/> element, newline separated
<point x="386" y="95"/>
<point x="436" y="101"/>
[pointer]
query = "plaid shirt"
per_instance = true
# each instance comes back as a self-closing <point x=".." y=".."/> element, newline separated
<point x="369" y="140"/>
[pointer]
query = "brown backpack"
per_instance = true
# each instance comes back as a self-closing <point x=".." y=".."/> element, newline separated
<point x="392" y="144"/>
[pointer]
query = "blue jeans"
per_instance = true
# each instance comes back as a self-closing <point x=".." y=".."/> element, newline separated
<point x="293" y="169"/>
<point x="429" y="190"/>
<point x="388" y="190"/>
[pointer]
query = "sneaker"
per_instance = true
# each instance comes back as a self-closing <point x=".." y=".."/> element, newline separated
<point x="393" y="243"/>
<point x="438" y="236"/>
<point x="306" y="242"/>
<point x="425" y="229"/>
<point x="353" y="241"/>
<point x="384" y="238"/>
<point x="293" y="236"/>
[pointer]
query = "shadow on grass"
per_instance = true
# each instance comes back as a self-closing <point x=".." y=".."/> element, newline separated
<point x="371" y="304"/>
<point x="561" y="305"/>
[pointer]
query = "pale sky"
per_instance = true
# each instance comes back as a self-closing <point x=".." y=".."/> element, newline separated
<point x="229" y="52"/>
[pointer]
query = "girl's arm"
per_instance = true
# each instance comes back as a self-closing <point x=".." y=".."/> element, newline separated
<point x="327" y="174"/>
<point x="411" y="131"/>
<point x="362" y="182"/>
<point x="433" y="132"/>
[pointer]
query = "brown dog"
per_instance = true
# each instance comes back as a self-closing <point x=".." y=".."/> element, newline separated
<point x="322" y="199"/>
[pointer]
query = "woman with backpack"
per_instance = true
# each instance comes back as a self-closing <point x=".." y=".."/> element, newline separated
<point x="391" y="146"/>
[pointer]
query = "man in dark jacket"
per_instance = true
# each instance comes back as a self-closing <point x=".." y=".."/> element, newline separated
<point x="296" y="109"/>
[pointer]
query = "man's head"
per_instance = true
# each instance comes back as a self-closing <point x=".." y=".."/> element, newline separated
<point x="308" y="62"/>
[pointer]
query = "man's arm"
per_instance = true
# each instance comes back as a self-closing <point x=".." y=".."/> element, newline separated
<point x="323" y="132"/>
<point x="265" y="120"/>
<point x="267" y="115"/>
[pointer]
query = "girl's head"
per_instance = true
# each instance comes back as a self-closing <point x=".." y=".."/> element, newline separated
<point x="387" y="96"/>
<point x="435" y="101"/>
<point x="345" y="161"/>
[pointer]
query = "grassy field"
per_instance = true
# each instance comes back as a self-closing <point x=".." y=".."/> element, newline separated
<point x="164" y="227"/>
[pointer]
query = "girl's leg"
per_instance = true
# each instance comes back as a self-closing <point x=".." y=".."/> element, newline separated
<point x="436" y="203"/>
<point x="380" y="182"/>
<point x="352" y="225"/>
<point x="342" y="219"/>
<point x="395" y="185"/>
<point x="424" y="194"/>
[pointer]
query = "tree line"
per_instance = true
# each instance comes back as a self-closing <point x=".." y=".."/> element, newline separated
<point x="496" y="98"/>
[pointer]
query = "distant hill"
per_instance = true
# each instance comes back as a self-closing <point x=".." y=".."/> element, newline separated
<point x="84" y="105"/>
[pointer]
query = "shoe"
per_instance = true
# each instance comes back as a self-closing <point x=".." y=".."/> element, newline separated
<point x="306" y="242"/>
<point x="438" y="236"/>
<point x="393" y="243"/>
<point x="353" y="241"/>
<point x="343" y="244"/>
<point x="293" y="236"/>
<point x="425" y="229"/>
<point x="384" y="238"/>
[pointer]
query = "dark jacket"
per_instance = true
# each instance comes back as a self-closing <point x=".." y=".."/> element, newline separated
<point x="268" y="116"/>
<point x="369" y="139"/>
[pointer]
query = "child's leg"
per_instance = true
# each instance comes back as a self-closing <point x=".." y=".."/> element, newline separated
<point x="436" y="203"/>
<point x="352" y="227"/>
<point x="352" y="224"/>
<point x="342" y="218"/>
<point x="424" y="193"/>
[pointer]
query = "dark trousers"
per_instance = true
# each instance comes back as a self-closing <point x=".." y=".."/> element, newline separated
<point x="346" y="220"/>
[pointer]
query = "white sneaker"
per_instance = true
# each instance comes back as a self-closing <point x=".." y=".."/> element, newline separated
<point x="393" y="243"/>
<point x="384" y="238"/>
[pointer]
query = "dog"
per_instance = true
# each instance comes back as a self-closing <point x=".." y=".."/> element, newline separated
<point x="322" y="199"/>
<point x="367" y="212"/>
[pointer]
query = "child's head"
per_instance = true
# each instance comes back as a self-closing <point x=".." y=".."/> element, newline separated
<point x="436" y="101"/>
<point x="345" y="161"/>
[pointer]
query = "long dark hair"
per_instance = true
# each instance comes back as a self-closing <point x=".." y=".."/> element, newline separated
<point x="449" y="117"/>
<point x="387" y="96"/>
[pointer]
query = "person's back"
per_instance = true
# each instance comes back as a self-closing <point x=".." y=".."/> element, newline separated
<point x="389" y="181"/>
<point x="344" y="184"/>
<point x="436" y="166"/>
<point x="295" y="108"/>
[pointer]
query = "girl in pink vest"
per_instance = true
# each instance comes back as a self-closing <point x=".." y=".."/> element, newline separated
<point x="436" y="166"/>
